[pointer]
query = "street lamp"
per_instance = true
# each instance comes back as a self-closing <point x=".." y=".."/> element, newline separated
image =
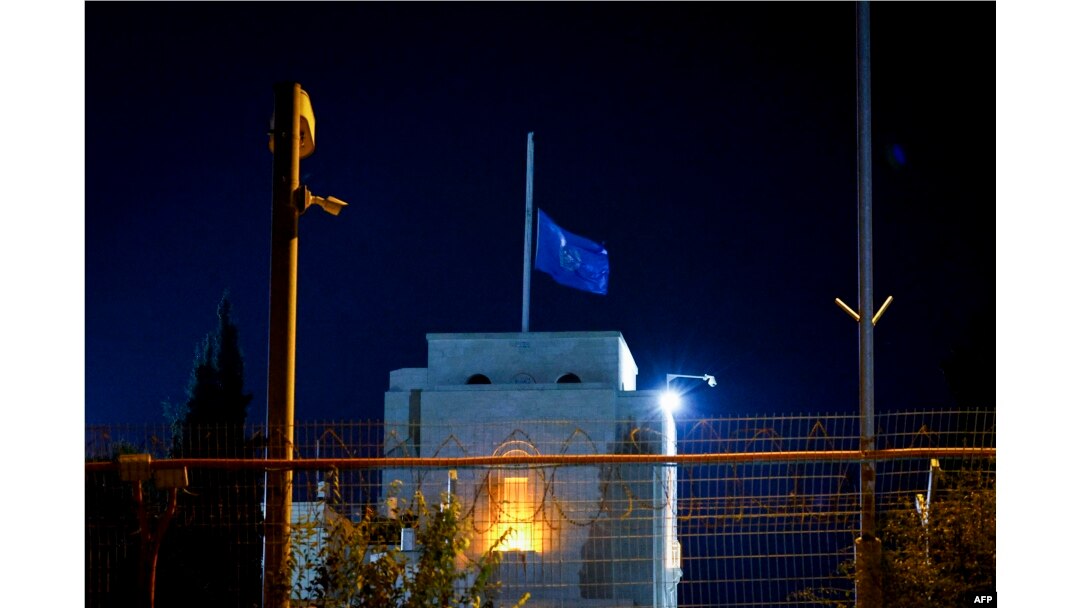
<point x="671" y="400"/>
<point x="669" y="567"/>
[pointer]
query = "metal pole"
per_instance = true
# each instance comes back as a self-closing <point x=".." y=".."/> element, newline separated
<point x="281" y="370"/>
<point x="867" y="546"/>
<point x="527" y="271"/>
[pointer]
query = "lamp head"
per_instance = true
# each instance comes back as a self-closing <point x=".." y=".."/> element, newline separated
<point x="711" y="380"/>
<point x="307" y="123"/>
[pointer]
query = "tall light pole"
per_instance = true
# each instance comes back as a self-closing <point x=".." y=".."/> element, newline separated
<point x="867" y="546"/>
<point x="292" y="138"/>
<point x="669" y="567"/>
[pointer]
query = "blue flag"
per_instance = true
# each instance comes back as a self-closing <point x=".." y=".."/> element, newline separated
<point x="570" y="259"/>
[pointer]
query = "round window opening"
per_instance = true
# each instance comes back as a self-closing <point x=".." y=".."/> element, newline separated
<point x="478" y="379"/>
<point x="568" y="379"/>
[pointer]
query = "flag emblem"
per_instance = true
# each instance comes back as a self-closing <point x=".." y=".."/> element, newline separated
<point x="571" y="260"/>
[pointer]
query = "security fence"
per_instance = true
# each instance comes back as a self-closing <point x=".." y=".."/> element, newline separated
<point x="741" y="511"/>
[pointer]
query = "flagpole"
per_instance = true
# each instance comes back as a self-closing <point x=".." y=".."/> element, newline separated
<point x="527" y="274"/>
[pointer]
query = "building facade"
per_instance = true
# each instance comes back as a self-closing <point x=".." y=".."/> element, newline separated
<point x="595" y="535"/>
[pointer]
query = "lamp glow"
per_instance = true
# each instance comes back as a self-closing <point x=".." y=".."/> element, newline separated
<point x="670" y="401"/>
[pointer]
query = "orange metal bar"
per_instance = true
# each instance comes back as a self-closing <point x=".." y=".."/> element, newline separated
<point x="558" y="459"/>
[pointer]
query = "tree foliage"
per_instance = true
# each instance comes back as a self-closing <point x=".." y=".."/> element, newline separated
<point x="341" y="563"/>
<point x="943" y="559"/>
<point x="950" y="556"/>
<point x="212" y="553"/>
<point x="211" y="423"/>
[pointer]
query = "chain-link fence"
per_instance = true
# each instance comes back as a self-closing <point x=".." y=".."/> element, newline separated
<point x="749" y="511"/>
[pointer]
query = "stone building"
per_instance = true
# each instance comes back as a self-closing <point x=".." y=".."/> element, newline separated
<point x="595" y="535"/>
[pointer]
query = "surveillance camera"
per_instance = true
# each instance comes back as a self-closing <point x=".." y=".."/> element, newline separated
<point x="305" y="199"/>
<point x="711" y="380"/>
<point x="330" y="204"/>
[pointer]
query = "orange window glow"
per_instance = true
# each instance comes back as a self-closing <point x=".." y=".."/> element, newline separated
<point x="515" y="525"/>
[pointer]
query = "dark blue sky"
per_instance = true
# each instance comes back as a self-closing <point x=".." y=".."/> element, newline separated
<point x="711" y="147"/>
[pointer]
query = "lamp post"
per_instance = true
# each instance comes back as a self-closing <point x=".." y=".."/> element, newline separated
<point x="292" y="137"/>
<point x="670" y="566"/>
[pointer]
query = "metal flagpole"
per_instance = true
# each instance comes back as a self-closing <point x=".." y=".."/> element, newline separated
<point x="527" y="271"/>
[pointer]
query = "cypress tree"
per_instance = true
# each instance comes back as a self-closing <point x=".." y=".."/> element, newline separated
<point x="212" y="421"/>
<point x="212" y="554"/>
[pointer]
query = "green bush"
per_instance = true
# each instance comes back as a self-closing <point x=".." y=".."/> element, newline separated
<point x="341" y="563"/>
<point x="941" y="561"/>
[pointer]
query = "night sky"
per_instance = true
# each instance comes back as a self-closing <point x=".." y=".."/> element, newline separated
<point x="712" y="149"/>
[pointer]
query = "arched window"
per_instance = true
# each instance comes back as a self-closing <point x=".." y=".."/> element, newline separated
<point x="568" y="378"/>
<point x="478" y="379"/>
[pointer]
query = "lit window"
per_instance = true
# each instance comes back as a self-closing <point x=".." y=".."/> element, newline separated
<point x="516" y="498"/>
<point x="516" y="525"/>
